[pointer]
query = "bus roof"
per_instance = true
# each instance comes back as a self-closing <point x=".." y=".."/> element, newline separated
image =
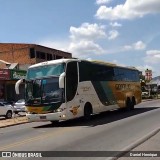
<point x="113" y="65"/>
<point x="57" y="61"/>
<point x="104" y="63"/>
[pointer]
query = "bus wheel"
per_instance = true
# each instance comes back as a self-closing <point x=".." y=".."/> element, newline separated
<point x="87" y="111"/>
<point x="133" y="103"/>
<point x="129" y="104"/>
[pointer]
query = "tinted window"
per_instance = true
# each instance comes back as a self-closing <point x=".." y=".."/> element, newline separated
<point x="123" y="74"/>
<point x="102" y="73"/>
<point x="71" y="80"/>
<point x="95" y="72"/>
<point x="44" y="71"/>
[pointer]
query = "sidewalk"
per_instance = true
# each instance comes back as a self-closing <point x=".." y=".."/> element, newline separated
<point x="147" y="145"/>
<point x="14" y="121"/>
<point x="149" y="99"/>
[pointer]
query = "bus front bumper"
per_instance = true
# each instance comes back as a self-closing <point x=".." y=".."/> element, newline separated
<point x="46" y="117"/>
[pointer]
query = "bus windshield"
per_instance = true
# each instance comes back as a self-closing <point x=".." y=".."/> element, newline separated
<point x="43" y="91"/>
<point x="45" y="71"/>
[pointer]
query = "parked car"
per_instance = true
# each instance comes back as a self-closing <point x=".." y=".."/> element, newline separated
<point x="145" y="92"/>
<point x="19" y="106"/>
<point x="6" y="110"/>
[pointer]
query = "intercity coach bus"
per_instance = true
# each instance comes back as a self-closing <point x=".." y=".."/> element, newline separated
<point x="65" y="89"/>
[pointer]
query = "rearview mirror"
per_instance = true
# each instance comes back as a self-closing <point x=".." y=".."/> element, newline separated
<point x="61" y="80"/>
<point x="17" y="85"/>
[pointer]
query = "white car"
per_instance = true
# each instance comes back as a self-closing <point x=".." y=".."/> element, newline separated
<point x="6" y="110"/>
<point x="145" y="93"/>
<point x="19" y="106"/>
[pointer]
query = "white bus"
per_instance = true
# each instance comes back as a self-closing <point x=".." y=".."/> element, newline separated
<point x="70" y="88"/>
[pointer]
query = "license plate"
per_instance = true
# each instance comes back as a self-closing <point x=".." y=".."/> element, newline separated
<point x="43" y="117"/>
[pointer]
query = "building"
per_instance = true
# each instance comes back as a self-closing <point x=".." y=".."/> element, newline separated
<point x="148" y="75"/>
<point x="23" y="55"/>
<point x="8" y="78"/>
<point x="15" y="58"/>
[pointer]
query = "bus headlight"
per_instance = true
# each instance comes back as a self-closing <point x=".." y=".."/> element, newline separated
<point x="59" y="110"/>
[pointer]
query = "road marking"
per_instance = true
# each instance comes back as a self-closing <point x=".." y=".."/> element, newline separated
<point x="40" y="137"/>
<point x="8" y="129"/>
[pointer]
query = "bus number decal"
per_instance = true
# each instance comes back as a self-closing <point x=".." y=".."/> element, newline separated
<point x="85" y="89"/>
<point x="122" y="86"/>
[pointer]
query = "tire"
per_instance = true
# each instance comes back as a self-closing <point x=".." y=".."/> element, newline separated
<point x="133" y="103"/>
<point x="87" y="112"/>
<point x="8" y="115"/>
<point x="129" y="104"/>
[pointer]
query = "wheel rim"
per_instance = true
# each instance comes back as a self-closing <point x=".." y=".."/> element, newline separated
<point x="9" y="115"/>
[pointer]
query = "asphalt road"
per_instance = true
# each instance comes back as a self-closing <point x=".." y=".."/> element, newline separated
<point x="110" y="131"/>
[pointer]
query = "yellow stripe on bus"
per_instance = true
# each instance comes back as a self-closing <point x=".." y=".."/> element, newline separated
<point x="34" y="109"/>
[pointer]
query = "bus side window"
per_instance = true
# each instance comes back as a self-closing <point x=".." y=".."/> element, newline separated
<point x="71" y="80"/>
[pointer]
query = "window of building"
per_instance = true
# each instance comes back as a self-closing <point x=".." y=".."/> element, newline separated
<point x="32" y="53"/>
<point x="40" y="55"/>
<point x="49" y="56"/>
<point x="58" y="57"/>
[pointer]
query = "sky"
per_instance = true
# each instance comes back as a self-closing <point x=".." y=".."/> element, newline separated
<point x="124" y="32"/>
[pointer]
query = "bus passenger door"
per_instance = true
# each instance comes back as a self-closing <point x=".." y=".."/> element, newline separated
<point x="72" y="97"/>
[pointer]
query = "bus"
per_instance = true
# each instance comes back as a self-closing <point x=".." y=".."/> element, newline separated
<point x="66" y="89"/>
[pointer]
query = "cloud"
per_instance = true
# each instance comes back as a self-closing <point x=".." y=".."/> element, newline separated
<point x="87" y="31"/>
<point x="115" y="24"/>
<point x="82" y="42"/>
<point x="144" y="67"/>
<point x="152" y="56"/>
<point x="60" y="44"/>
<point x="139" y="45"/>
<point x="81" y="49"/>
<point x="153" y="52"/>
<point x="129" y="10"/>
<point x="89" y="59"/>
<point x="99" y="2"/>
<point x="118" y="63"/>
<point x="113" y="34"/>
<point x="128" y="47"/>
<point x="84" y="48"/>
<point x="83" y="39"/>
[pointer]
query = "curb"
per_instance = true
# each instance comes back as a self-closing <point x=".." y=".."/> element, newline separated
<point x="13" y="122"/>
<point x="135" y="144"/>
<point x="150" y="99"/>
<point x="145" y="100"/>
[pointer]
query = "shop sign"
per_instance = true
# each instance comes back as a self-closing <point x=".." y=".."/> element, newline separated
<point x="148" y="74"/>
<point x="4" y="74"/>
<point x="18" y="74"/>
